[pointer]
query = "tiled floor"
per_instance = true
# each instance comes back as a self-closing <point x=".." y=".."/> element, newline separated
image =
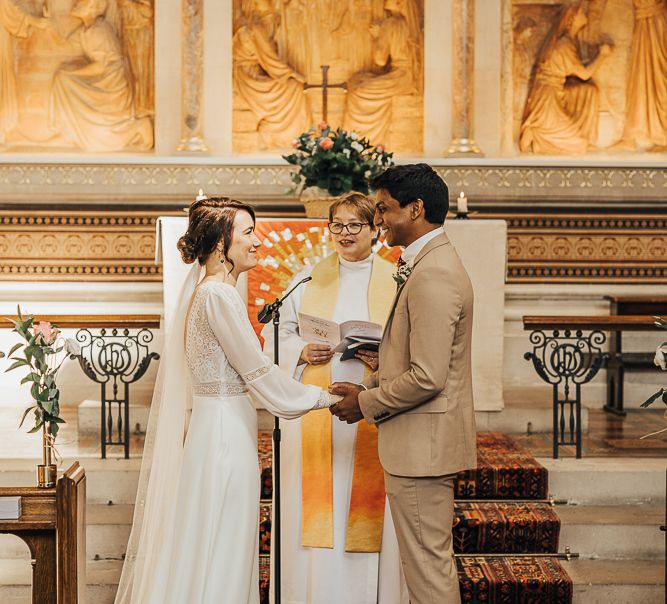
<point x="610" y="436"/>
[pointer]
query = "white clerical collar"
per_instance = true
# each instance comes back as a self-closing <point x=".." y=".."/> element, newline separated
<point x="356" y="264"/>
<point x="412" y="251"/>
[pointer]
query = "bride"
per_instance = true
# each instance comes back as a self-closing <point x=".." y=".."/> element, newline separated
<point x="194" y="537"/>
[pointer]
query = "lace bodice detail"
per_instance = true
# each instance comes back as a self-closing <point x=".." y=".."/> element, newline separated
<point x="225" y="359"/>
<point x="207" y="362"/>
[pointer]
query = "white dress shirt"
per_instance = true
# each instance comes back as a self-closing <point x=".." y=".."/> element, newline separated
<point x="412" y="251"/>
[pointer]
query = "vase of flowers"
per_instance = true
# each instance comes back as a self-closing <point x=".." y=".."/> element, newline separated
<point x="333" y="162"/>
<point x="660" y="360"/>
<point x="42" y="354"/>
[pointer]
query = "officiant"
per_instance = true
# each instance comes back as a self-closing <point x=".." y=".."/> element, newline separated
<point x="338" y="536"/>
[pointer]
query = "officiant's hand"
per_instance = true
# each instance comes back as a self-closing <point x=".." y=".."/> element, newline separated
<point x="316" y="354"/>
<point x="346" y="410"/>
<point x="370" y="357"/>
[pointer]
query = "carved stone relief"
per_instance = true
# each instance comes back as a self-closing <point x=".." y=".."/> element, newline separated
<point x="589" y="76"/>
<point x="374" y="51"/>
<point x="77" y="74"/>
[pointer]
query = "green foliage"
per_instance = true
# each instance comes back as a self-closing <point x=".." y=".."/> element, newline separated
<point x="336" y="160"/>
<point x="38" y="355"/>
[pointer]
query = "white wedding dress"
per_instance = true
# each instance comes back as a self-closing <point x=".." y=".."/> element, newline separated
<point x="207" y="549"/>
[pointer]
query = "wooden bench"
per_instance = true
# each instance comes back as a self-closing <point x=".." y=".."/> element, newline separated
<point x="53" y="525"/>
<point x="618" y="360"/>
<point x="571" y="356"/>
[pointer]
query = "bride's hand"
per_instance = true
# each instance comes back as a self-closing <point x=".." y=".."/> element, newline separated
<point x="316" y="354"/>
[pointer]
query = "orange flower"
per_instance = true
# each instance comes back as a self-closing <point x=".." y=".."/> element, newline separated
<point x="323" y="125"/>
<point x="326" y="143"/>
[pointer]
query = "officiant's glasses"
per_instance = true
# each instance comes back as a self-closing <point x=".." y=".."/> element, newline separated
<point x="353" y="228"/>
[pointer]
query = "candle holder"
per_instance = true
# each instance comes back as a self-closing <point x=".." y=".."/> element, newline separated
<point x="462" y="207"/>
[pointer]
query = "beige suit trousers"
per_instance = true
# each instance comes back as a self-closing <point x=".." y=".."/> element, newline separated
<point x="423" y="511"/>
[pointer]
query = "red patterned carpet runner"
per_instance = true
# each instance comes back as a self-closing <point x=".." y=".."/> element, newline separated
<point x="506" y="473"/>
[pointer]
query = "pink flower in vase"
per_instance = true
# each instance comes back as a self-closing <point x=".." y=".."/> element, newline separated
<point x="46" y="333"/>
<point x="326" y="143"/>
<point x="322" y="125"/>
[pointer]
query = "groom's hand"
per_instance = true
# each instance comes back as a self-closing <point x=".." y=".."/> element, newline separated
<point x="347" y="409"/>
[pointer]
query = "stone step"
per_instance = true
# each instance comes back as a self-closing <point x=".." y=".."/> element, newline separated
<point x="522" y="415"/>
<point x="15" y="578"/>
<point x="595" y="581"/>
<point x="613" y="532"/>
<point x="617" y="581"/>
<point x="112" y="479"/>
<point x="606" y="480"/>
<point x="605" y="532"/>
<point x="89" y="414"/>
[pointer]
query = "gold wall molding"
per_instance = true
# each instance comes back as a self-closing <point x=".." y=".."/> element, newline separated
<point x="93" y="245"/>
<point x="167" y="181"/>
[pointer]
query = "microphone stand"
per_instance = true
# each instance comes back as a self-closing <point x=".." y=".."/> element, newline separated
<point x="271" y="312"/>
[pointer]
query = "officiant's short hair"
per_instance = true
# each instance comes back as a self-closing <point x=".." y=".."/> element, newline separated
<point x="362" y="205"/>
<point x="410" y="182"/>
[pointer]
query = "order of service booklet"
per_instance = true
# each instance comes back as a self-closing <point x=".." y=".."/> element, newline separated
<point x="347" y="337"/>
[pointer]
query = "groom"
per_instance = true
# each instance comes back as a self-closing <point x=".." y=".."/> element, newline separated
<point x="421" y="396"/>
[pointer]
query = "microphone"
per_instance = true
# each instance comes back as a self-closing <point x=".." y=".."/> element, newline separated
<point x="266" y="314"/>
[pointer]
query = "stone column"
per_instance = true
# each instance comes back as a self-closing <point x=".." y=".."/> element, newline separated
<point x="192" y="77"/>
<point x="463" y="72"/>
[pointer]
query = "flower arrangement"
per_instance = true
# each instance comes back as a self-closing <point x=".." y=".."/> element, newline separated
<point x="336" y="160"/>
<point x="660" y="360"/>
<point x="41" y="356"/>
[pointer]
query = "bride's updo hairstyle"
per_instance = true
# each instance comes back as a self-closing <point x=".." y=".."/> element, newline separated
<point x="210" y="221"/>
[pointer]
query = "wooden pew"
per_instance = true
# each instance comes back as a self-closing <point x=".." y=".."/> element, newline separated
<point x="53" y="525"/>
<point x="619" y="360"/>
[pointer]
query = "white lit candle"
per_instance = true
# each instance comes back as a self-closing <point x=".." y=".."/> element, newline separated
<point x="462" y="204"/>
<point x="200" y="195"/>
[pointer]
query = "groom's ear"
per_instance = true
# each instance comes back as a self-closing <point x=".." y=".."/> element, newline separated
<point x="416" y="208"/>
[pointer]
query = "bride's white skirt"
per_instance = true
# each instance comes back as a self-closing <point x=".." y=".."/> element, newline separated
<point x="213" y="558"/>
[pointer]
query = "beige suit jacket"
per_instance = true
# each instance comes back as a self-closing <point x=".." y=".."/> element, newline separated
<point x="421" y="395"/>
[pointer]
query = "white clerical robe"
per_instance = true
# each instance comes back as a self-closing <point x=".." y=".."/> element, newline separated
<point x="320" y="575"/>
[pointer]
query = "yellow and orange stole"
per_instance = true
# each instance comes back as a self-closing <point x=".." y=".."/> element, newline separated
<point x="367" y="501"/>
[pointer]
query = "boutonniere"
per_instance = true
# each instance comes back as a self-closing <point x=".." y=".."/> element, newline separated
<point x="402" y="274"/>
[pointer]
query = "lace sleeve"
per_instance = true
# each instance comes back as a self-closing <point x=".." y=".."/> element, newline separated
<point x="268" y="385"/>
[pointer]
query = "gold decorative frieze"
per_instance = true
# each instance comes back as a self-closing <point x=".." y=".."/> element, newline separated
<point x="85" y="245"/>
<point x="161" y="182"/>
<point x="78" y="246"/>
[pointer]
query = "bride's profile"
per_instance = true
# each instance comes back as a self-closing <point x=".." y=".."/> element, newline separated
<point x="194" y="537"/>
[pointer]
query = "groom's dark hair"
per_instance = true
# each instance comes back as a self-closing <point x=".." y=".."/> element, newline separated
<point x="410" y="182"/>
<point x="210" y="220"/>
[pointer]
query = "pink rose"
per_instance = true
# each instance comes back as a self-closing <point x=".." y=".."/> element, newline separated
<point x="323" y="125"/>
<point x="326" y="143"/>
<point x="46" y="333"/>
<point x="379" y="148"/>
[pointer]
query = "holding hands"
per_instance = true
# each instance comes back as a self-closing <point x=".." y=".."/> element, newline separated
<point x="347" y="409"/>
